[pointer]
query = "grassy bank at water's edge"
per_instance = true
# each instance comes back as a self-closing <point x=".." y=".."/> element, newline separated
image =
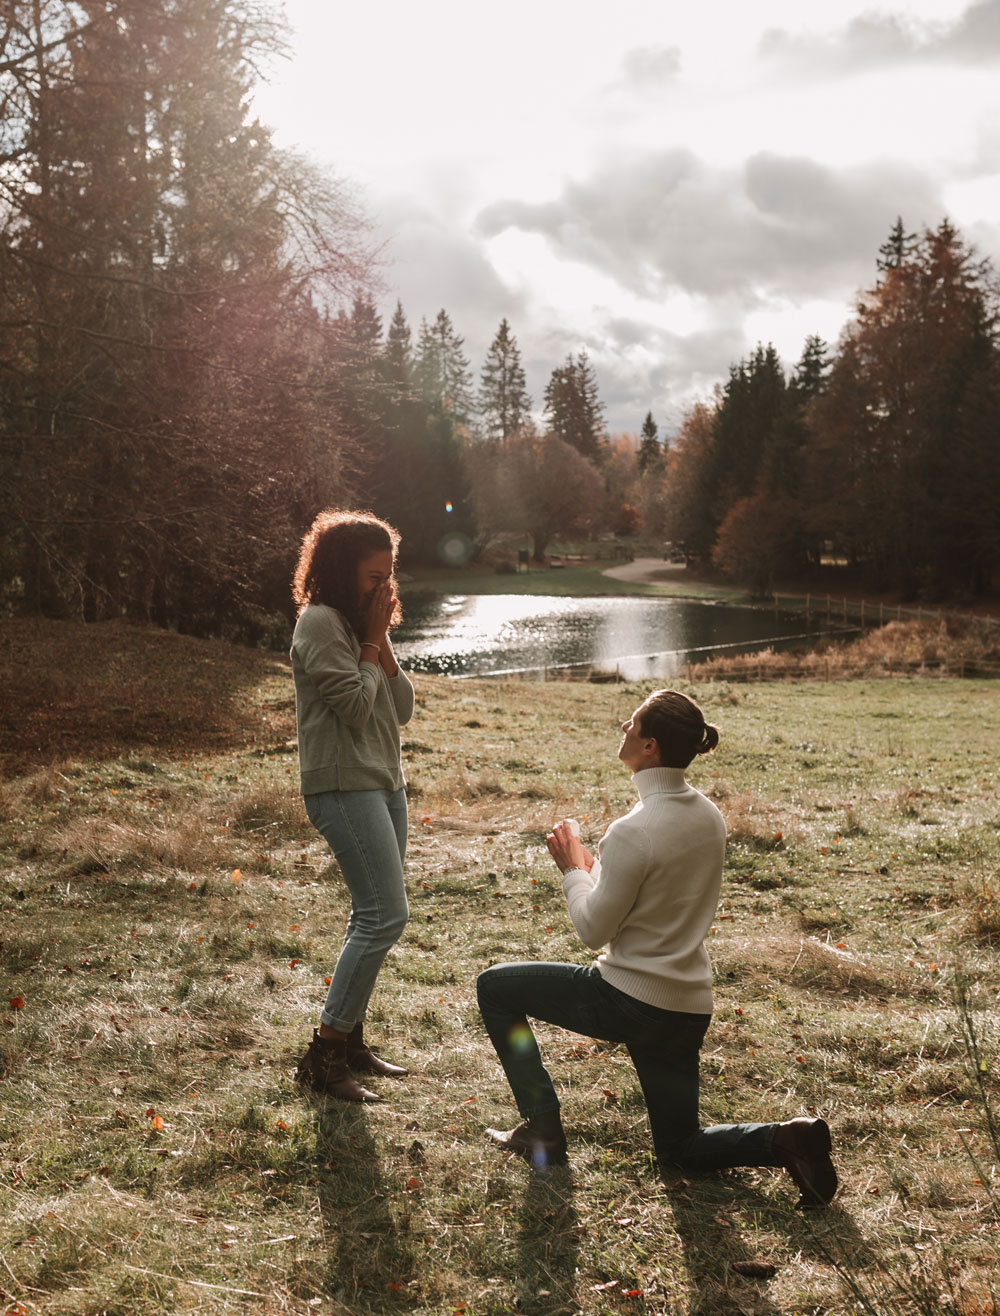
<point x="167" y="918"/>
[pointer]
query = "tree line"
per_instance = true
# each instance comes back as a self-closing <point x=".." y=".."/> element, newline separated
<point x="883" y="453"/>
<point x="168" y="379"/>
<point x="193" y="363"/>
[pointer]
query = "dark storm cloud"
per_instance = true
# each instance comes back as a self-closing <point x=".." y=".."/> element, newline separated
<point x="779" y="224"/>
<point x="878" y="40"/>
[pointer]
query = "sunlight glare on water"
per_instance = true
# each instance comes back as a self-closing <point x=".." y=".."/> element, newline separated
<point x="461" y="634"/>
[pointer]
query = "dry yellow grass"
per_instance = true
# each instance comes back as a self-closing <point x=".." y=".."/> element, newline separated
<point x="167" y="919"/>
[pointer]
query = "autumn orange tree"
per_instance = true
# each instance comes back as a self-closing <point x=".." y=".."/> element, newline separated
<point x="679" y="500"/>
<point x="757" y="540"/>
<point x="536" y="485"/>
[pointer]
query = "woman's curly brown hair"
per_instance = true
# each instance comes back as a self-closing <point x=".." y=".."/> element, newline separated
<point x="332" y="549"/>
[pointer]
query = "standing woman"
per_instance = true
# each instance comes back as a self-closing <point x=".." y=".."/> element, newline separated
<point x="350" y="700"/>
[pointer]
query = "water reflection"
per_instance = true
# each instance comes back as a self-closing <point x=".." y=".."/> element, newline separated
<point x="462" y="635"/>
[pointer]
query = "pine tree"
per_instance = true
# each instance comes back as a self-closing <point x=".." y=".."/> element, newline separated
<point x="650" y="455"/>
<point x="504" y="404"/>
<point x="896" y="247"/>
<point x="441" y="372"/>
<point x="574" y="408"/>
<point x="897" y="438"/>
<point x="812" y="368"/>
<point x="399" y="352"/>
<point x="160" y="260"/>
<point x="749" y="414"/>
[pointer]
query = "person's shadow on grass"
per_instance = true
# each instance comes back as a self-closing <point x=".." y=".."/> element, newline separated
<point x="371" y="1258"/>
<point x="547" y="1244"/>
<point x="727" y="1273"/>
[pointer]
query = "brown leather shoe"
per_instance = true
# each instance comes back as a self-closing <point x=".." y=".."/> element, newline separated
<point x="540" y="1140"/>
<point x="363" y="1060"/>
<point x="803" y="1147"/>
<point x="324" y="1069"/>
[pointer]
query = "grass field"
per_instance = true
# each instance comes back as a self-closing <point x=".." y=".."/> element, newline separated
<point x="168" y="917"/>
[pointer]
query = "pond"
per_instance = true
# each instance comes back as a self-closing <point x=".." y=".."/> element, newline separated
<point x="504" y="634"/>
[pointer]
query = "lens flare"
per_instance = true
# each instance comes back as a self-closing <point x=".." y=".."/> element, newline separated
<point x="521" y="1039"/>
<point x="455" y="548"/>
<point x="448" y="506"/>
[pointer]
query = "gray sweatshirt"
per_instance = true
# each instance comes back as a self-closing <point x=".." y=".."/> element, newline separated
<point x="348" y="712"/>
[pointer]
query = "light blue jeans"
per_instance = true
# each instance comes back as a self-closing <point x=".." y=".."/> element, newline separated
<point x="664" y="1046"/>
<point x="366" y="830"/>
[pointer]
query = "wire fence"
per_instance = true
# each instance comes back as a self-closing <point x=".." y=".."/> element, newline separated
<point x="868" y="612"/>
<point x="855" y="617"/>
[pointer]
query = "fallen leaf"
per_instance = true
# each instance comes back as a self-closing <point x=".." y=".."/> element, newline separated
<point x="755" y="1269"/>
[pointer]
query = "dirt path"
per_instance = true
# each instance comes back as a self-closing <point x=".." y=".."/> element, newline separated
<point x="651" y="571"/>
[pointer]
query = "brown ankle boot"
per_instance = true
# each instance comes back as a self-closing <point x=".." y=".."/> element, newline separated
<point x="539" y="1139"/>
<point x="324" y="1069"/>
<point x="803" y="1147"/>
<point x="363" y="1060"/>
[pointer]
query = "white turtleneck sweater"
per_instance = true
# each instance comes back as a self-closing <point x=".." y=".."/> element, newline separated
<point x="652" y="893"/>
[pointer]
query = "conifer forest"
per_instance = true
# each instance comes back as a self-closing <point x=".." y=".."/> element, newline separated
<point x="193" y="362"/>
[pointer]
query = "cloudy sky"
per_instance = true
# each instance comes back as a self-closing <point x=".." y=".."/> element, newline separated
<point x="661" y="182"/>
